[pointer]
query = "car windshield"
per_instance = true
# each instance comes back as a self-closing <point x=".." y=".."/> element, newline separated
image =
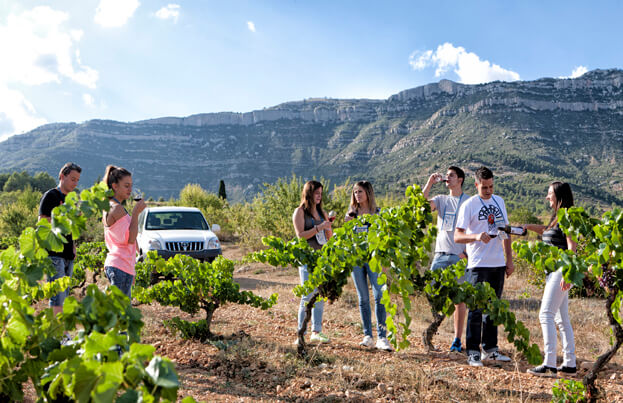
<point x="164" y="220"/>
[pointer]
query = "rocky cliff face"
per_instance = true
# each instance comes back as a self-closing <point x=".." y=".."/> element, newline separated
<point x="530" y="132"/>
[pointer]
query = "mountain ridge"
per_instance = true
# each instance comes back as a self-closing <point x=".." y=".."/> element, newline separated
<point x="570" y="129"/>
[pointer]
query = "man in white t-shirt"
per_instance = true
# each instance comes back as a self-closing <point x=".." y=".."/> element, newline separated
<point x="448" y="252"/>
<point x="489" y="259"/>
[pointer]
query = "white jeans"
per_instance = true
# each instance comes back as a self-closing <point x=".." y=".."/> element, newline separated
<point x="555" y="309"/>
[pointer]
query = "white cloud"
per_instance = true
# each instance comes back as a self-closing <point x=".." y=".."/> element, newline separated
<point x="115" y="13"/>
<point x="171" y="11"/>
<point x="467" y="65"/>
<point x="251" y="26"/>
<point x="88" y="100"/>
<point x="37" y="48"/>
<point x="578" y="72"/>
<point x="17" y="115"/>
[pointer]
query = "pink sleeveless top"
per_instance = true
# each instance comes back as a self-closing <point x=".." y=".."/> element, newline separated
<point x="120" y="254"/>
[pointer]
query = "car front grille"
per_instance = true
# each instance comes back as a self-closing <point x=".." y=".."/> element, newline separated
<point x="184" y="246"/>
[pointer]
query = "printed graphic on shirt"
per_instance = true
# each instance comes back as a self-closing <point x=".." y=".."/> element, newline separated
<point x="492" y="214"/>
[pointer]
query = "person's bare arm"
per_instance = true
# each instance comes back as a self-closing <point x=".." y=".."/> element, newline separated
<point x="136" y="211"/>
<point x="427" y="187"/>
<point x="114" y="214"/>
<point x="539" y="229"/>
<point x="460" y="236"/>
<point x="298" y="220"/>
<point x="508" y="253"/>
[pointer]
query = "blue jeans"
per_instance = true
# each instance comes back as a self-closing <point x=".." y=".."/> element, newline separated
<point x="480" y="328"/>
<point x="120" y="279"/>
<point x="318" y="308"/>
<point x="361" y="285"/>
<point x="443" y="260"/>
<point x="64" y="268"/>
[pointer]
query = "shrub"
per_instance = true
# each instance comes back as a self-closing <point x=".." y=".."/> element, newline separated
<point x="14" y="218"/>
<point x="193" y="286"/>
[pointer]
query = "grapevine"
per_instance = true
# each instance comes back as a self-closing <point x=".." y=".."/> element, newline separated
<point x="89" y="368"/>
<point x="397" y="245"/>
<point x="193" y="286"/>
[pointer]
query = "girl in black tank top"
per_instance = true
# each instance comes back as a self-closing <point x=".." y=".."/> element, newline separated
<point x="311" y="223"/>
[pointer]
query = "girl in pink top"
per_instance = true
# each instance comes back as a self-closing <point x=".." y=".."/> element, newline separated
<point x="120" y="229"/>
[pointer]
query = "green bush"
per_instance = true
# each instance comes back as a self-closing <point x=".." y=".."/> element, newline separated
<point x="193" y="286"/>
<point x="14" y="218"/>
<point x="568" y="391"/>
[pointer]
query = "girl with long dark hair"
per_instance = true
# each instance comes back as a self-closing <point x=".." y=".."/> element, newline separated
<point x="555" y="304"/>
<point x="311" y="223"/>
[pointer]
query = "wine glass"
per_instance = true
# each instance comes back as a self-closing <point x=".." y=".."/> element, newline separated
<point x="137" y="194"/>
<point x="331" y="215"/>
<point x="493" y="232"/>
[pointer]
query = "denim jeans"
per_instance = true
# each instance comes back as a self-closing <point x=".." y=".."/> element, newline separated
<point x="64" y="268"/>
<point x="477" y="331"/>
<point x="317" y="309"/>
<point x="361" y="285"/>
<point x="120" y="279"/>
<point x="555" y="311"/>
<point x="443" y="260"/>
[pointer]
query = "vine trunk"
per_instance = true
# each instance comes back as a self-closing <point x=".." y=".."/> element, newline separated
<point x="301" y="349"/>
<point x="602" y="360"/>
<point x="431" y="330"/>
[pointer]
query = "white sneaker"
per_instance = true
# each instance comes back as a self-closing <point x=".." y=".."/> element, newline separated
<point x="367" y="342"/>
<point x="383" y="344"/>
<point x="496" y="356"/>
<point x="473" y="359"/>
<point x="319" y="338"/>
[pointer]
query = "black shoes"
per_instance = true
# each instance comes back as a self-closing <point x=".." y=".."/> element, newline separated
<point x="567" y="370"/>
<point x="543" y="370"/>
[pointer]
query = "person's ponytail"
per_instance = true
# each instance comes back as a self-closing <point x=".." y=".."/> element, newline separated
<point x="114" y="174"/>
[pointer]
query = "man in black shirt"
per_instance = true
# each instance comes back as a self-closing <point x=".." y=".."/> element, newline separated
<point x="63" y="262"/>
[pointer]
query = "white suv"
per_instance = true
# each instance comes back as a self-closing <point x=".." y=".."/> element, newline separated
<point x="176" y="230"/>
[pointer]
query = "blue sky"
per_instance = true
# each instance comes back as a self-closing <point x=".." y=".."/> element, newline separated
<point x="128" y="60"/>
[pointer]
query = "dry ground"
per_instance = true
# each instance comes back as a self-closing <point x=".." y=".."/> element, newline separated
<point x="256" y="360"/>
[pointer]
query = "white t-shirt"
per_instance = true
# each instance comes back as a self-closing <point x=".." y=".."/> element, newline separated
<point x="447" y="210"/>
<point x="477" y="215"/>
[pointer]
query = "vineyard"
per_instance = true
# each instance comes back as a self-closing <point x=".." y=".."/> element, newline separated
<point x="213" y="343"/>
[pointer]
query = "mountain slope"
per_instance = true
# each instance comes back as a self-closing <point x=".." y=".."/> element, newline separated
<point x="528" y="132"/>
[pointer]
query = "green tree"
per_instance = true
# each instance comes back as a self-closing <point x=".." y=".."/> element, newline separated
<point x="42" y="181"/>
<point x="17" y="181"/>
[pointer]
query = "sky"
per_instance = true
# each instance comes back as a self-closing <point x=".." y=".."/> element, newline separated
<point x="129" y="60"/>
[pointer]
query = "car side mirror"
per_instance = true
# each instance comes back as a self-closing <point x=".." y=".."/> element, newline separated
<point x="216" y="228"/>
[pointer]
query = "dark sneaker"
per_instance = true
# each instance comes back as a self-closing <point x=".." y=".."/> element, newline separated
<point x="496" y="356"/>
<point x="473" y="359"/>
<point x="564" y="370"/>
<point x="456" y="345"/>
<point x="543" y="370"/>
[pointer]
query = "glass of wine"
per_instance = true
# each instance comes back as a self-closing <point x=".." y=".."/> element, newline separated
<point x="493" y="233"/>
<point x="331" y="215"/>
<point x="137" y="194"/>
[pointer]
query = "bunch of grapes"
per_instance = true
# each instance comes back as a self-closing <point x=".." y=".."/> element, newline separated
<point x="608" y="279"/>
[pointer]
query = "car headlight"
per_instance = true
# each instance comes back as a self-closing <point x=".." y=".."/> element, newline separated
<point x="154" y="244"/>
<point x="214" y="243"/>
